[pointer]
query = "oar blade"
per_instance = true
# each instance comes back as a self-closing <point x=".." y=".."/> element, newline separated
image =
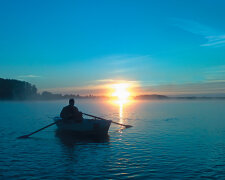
<point x="128" y="126"/>
<point x="26" y="136"/>
<point x="23" y="137"/>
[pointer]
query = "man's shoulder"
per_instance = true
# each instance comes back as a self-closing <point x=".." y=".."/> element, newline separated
<point x="70" y="107"/>
<point x="74" y="107"/>
<point x="66" y="107"/>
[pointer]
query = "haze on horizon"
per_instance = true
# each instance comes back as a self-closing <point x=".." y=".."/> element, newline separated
<point x="83" y="47"/>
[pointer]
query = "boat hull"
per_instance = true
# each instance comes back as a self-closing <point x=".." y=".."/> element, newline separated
<point x="86" y="127"/>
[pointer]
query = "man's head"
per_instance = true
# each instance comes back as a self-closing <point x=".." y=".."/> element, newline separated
<point x="71" y="102"/>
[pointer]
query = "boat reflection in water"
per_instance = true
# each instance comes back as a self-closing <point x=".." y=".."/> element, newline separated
<point x="70" y="139"/>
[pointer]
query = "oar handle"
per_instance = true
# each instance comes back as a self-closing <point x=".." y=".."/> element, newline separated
<point x="94" y="116"/>
<point x="106" y="120"/>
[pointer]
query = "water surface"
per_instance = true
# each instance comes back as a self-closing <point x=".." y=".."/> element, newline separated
<point x="169" y="139"/>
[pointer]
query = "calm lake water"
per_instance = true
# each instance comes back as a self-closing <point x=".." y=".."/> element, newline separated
<point x="169" y="139"/>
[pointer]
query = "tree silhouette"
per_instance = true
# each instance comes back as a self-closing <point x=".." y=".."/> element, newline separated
<point x="16" y="90"/>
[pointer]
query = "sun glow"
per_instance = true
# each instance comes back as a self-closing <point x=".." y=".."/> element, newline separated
<point x="121" y="92"/>
<point x="121" y="96"/>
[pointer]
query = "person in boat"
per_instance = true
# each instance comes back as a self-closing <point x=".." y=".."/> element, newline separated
<point x="71" y="113"/>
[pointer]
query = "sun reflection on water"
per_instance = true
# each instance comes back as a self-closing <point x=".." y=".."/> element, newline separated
<point x="121" y="104"/>
<point x="121" y="112"/>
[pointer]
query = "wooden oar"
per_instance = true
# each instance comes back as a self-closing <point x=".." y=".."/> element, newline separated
<point x="26" y="136"/>
<point x="127" y="126"/>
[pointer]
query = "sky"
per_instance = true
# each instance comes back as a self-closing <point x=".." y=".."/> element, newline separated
<point x="169" y="47"/>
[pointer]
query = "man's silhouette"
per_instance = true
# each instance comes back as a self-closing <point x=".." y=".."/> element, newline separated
<point x="70" y="113"/>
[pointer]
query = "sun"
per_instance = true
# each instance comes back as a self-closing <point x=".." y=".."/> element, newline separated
<point x="120" y="91"/>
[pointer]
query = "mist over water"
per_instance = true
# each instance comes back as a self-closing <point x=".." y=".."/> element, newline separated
<point x="169" y="139"/>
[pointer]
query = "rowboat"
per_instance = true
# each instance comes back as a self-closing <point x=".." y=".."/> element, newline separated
<point x="97" y="127"/>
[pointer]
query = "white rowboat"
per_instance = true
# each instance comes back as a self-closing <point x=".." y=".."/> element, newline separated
<point x="86" y="127"/>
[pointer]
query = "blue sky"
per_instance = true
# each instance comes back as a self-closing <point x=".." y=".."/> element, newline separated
<point x="161" y="46"/>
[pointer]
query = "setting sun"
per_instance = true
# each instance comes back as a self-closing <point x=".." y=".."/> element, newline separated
<point x="120" y="91"/>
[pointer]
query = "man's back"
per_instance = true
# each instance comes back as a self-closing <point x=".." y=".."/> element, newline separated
<point x="71" y="113"/>
<point x="68" y="111"/>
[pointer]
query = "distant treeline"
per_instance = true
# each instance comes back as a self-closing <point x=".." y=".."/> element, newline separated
<point x="11" y="89"/>
<point x="153" y="96"/>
